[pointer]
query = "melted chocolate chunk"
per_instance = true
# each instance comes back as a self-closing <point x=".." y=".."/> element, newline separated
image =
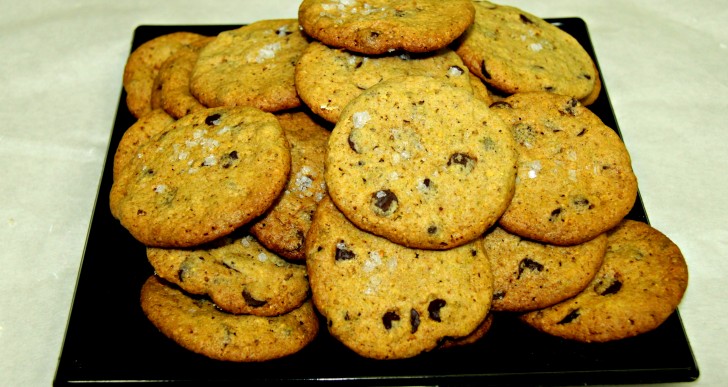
<point x="414" y="320"/>
<point x="569" y="317"/>
<point x="528" y="263"/>
<point x="385" y="202"/>
<point x="461" y="159"/>
<point x="213" y="119"/>
<point x="227" y="161"/>
<point x="434" y="309"/>
<point x="432" y="230"/>
<point x="388" y="318"/>
<point x="607" y="287"/>
<point x="555" y="214"/>
<point x="484" y="70"/>
<point x="251" y="301"/>
<point x="343" y="253"/>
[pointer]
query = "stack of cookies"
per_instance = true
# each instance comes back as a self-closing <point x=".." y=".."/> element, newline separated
<point x="402" y="171"/>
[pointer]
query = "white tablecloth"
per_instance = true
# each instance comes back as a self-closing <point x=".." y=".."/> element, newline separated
<point x="61" y="65"/>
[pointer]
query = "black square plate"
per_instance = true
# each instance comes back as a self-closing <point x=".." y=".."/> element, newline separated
<point x="109" y="339"/>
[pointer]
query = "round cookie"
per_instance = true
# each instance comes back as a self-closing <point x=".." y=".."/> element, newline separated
<point x="575" y="179"/>
<point x="197" y="325"/>
<point x="174" y="84"/>
<point x="386" y="301"/>
<point x="421" y="162"/>
<point x="250" y="66"/>
<point x="284" y="226"/>
<point x="641" y="282"/>
<point x="207" y="174"/>
<point x="380" y="26"/>
<point x="147" y="126"/>
<point x="239" y="275"/>
<point x="142" y="67"/>
<point x="515" y="51"/>
<point x="528" y="275"/>
<point x="327" y="79"/>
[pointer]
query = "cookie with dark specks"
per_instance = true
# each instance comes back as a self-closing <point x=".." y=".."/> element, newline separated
<point x="197" y="325"/>
<point x="284" y="226"/>
<point x="327" y="79"/>
<point x="205" y="175"/>
<point x="575" y="178"/>
<point x="142" y="67"/>
<point x="386" y="301"/>
<point x="147" y="126"/>
<point x="515" y="51"/>
<point x="421" y="162"/>
<point x="238" y="274"/>
<point x="528" y="275"/>
<point x="250" y="66"/>
<point x="380" y="26"/>
<point x="641" y="282"/>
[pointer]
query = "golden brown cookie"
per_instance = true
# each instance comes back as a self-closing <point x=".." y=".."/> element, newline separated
<point x="284" y="226"/>
<point x="173" y="83"/>
<point x="197" y="325"/>
<point x="529" y="275"/>
<point x="207" y="174"/>
<point x="143" y="64"/>
<point x="386" y="301"/>
<point x="379" y="26"/>
<point x="238" y="274"/>
<point x="327" y="79"/>
<point x="250" y="66"/>
<point x="575" y="178"/>
<point x="421" y="162"/>
<point x="515" y="51"/>
<point x="640" y="284"/>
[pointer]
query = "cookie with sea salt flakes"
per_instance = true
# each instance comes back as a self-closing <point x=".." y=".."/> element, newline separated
<point x="575" y="178"/>
<point x="200" y="178"/>
<point x="639" y="285"/>
<point x="380" y="26"/>
<point x="284" y="226"/>
<point x="327" y="79"/>
<point x="529" y="275"/>
<point x="421" y="162"/>
<point x="250" y="66"/>
<point x="147" y="126"/>
<point x="197" y="325"/>
<point x="387" y="301"/>
<point x="142" y="67"/>
<point x="238" y="274"/>
<point x="515" y="51"/>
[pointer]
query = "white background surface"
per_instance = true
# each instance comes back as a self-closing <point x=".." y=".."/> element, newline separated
<point x="61" y="62"/>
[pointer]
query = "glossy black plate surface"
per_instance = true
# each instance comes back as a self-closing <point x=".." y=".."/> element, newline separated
<point x="109" y="339"/>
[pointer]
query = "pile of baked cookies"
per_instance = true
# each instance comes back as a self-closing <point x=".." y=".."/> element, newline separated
<point x="401" y="171"/>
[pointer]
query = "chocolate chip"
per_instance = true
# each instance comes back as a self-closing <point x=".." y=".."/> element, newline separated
<point x="528" y="263"/>
<point x="343" y="253"/>
<point x="352" y="144"/>
<point x="388" y="318"/>
<point x="583" y="131"/>
<point x="434" y="309"/>
<point x="484" y="70"/>
<point x="549" y="88"/>
<point x="385" y="202"/>
<point x="524" y="19"/>
<point x="229" y="159"/>
<point x="586" y="76"/>
<point x="608" y="286"/>
<point x="570" y="106"/>
<point x="427" y="182"/>
<point x="141" y="212"/>
<point x="251" y="301"/>
<point x="499" y="295"/>
<point x="582" y="203"/>
<point x="501" y="105"/>
<point x="213" y="119"/>
<point x="414" y="320"/>
<point x="555" y="214"/>
<point x="569" y="317"/>
<point x="467" y="161"/>
<point x="432" y="230"/>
